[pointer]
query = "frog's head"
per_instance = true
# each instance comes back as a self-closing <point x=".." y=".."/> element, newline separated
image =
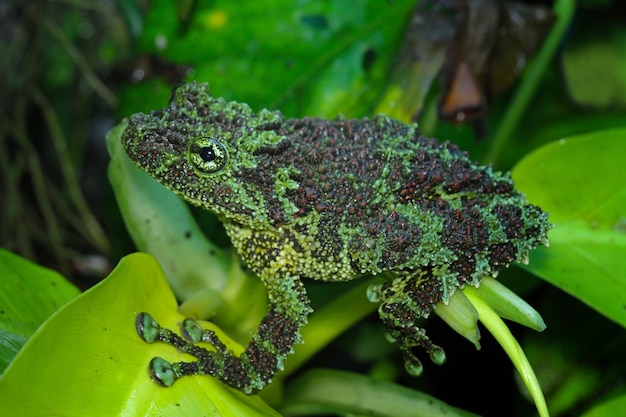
<point x="210" y="152"/>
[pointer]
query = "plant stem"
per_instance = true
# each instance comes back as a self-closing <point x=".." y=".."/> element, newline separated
<point x="331" y="320"/>
<point x="75" y="55"/>
<point x="530" y="78"/>
<point x="90" y="229"/>
<point x="52" y="226"/>
<point x="503" y="335"/>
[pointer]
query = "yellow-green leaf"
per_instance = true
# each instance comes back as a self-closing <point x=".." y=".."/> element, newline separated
<point x="87" y="359"/>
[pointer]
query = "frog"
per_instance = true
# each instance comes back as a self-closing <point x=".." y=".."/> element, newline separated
<point x="331" y="200"/>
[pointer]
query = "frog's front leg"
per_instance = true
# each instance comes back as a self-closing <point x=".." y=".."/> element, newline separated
<point x="250" y="372"/>
<point x="407" y="298"/>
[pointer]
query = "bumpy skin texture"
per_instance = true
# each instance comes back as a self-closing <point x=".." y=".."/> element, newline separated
<point x="331" y="200"/>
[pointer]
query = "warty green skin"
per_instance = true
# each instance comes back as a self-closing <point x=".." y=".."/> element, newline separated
<point x="331" y="200"/>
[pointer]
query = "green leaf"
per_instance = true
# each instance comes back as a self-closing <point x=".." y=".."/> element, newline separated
<point x="314" y="58"/>
<point x="461" y="316"/>
<point x="88" y="359"/>
<point x="509" y="305"/>
<point x="335" y="392"/>
<point x="581" y="182"/>
<point x="610" y="408"/>
<point x="29" y="294"/>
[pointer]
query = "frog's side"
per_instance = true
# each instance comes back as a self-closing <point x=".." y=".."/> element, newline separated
<point x="329" y="200"/>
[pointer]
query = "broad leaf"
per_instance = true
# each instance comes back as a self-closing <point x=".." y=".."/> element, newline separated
<point x="88" y="359"/>
<point x="581" y="182"/>
<point x="29" y="294"/>
<point x="313" y="58"/>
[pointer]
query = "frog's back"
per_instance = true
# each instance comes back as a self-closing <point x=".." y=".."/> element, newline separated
<point x="376" y="196"/>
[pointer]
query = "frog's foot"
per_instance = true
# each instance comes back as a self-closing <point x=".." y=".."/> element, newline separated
<point x="401" y="329"/>
<point x="255" y="367"/>
<point x="249" y="372"/>
<point x="405" y="300"/>
<point x="166" y="373"/>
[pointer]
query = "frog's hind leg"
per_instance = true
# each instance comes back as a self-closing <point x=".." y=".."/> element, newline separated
<point x="250" y="372"/>
<point x="405" y="299"/>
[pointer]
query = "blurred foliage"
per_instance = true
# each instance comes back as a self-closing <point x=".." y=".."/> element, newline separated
<point x="71" y="70"/>
<point x="53" y="100"/>
<point x="316" y="58"/>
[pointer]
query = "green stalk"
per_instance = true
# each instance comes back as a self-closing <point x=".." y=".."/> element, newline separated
<point x="330" y="321"/>
<point x="502" y="334"/>
<point x="530" y="79"/>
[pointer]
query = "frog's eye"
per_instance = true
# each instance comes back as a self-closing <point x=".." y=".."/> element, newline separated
<point x="208" y="155"/>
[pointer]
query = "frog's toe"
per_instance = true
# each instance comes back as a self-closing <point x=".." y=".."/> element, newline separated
<point x="437" y="355"/>
<point x="147" y="327"/>
<point x="162" y="372"/>
<point x="413" y="365"/>
<point x="191" y="330"/>
<point x="406" y="299"/>
<point x="413" y="340"/>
